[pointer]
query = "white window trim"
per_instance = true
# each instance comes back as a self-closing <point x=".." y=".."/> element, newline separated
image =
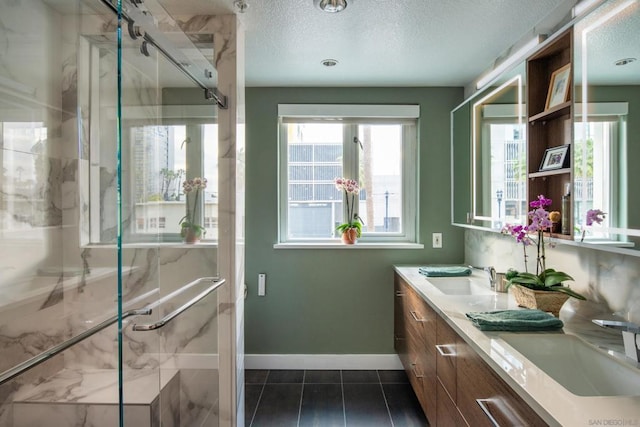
<point x="346" y="113"/>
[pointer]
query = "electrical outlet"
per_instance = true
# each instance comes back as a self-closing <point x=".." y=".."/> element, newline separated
<point x="437" y="240"/>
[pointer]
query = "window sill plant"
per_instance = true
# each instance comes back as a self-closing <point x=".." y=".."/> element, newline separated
<point x="190" y="230"/>
<point x="545" y="280"/>
<point x="352" y="229"/>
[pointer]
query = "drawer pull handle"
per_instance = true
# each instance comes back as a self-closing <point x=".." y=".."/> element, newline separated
<point x="416" y="318"/>
<point x="450" y="352"/>
<point x="413" y="369"/>
<point x="483" y="405"/>
<point x="398" y="338"/>
<point x="399" y="293"/>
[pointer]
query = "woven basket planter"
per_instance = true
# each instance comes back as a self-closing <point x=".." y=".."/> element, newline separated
<point x="549" y="301"/>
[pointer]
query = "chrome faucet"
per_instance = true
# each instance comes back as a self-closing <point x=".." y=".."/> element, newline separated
<point x="491" y="272"/>
<point x="630" y="336"/>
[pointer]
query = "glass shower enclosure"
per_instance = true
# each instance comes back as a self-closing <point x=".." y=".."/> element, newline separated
<point x="108" y="130"/>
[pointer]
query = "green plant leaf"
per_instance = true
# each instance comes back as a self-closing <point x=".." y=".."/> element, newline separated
<point x="528" y="278"/>
<point x="555" y="277"/>
<point x="569" y="292"/>
<point x="511" y="273"/>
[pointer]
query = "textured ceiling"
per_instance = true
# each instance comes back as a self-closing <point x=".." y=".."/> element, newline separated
<point x="377" y="42"/>
<point x="383" y="42"/>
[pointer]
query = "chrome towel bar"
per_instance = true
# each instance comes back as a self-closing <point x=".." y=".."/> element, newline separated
<point x="175" y="313"/>
<point x="48" y="354"/>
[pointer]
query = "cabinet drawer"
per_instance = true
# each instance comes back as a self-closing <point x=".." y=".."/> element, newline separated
<point x="484" y="399"/>
<point x="446" y="356"/>
<point x="419" y="318"/>
<point x="447" y="412"/>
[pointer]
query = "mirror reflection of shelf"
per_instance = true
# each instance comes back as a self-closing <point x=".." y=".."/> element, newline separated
<point x="552" y="113"/>
<point x="561" y="236"/>
<point x="549" y="173"/>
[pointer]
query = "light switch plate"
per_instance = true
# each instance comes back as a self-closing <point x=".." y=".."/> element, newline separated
<point x="262" y="282"/>
<point x="437" y="240"/>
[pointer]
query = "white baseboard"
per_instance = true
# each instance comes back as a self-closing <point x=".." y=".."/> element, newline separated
<point x="322" y="361"/>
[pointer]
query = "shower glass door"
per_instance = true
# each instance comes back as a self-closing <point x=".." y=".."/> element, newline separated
<point x="166" y="190"/>
<point x="98" y="132"/>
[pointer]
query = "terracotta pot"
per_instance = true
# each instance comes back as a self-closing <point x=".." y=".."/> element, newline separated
<point x="350" y="236"/>
<point x="190" y="236"/>
<point x="549" y="301"/>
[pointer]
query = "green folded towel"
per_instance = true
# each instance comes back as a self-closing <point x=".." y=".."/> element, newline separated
<point x="515" y="320"/>
<point x="444" y="270"/>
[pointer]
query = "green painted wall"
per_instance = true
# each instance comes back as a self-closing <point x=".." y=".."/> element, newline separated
<point x="337" y="301"/>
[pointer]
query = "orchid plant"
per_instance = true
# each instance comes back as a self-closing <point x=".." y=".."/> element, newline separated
<point x="350" y="188"/>
<point x="544" y="279"/>
<point x="187" y="222"/>
<point x="593" y="216"/>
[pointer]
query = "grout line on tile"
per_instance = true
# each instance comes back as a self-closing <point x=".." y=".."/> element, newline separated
<point x="384" y="396"/>
<point x="304" y="376"/>
<point x="344" y="407"/>
<point x="255" y="411"/>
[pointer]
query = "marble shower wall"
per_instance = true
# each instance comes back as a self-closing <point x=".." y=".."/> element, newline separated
<point x="53" y="283"/>
<point x="609" y="279"/>
<point x="32" y="316"/>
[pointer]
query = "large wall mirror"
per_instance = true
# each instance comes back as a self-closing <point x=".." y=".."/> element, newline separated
<point x="607" y="124"/>
<point x="489" y="154"/>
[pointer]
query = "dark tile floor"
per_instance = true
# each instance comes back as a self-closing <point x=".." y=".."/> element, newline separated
<point x="330" y="398"/>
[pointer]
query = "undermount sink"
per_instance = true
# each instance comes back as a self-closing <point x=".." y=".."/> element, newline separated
<point x="461" y="286"/>
<point x="580" y="368"/>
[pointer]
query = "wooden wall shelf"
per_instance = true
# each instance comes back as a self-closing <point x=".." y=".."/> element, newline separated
<point x="549" y="173"/>
<point x="553" y="112"/>
<point x="549" y="128"/>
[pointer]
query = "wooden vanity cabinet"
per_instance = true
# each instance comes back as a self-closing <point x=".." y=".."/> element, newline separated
<point x="484" y="399"/>
<point x="452" y="382"/>
<point x="416" y="322"/>
<point x="446" y="369"/>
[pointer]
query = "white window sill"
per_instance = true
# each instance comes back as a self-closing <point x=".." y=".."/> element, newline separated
<point x="338" y="245"/>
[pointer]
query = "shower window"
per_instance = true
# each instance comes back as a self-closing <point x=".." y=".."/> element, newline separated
<point x="24" y="175"/>
<point x="160" y="159"/>
<point x="169" y="134"/>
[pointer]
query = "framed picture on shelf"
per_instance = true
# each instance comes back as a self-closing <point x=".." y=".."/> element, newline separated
<point x="555" y="158"/>
<point x="558" y="87"/>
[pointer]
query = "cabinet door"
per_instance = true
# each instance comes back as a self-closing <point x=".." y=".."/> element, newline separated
<point x="419" y="323"/>
<point x="447" y="412"/>
<point x="399" y="325"/>
<point x="484" y="399"/>
<point x="446" y="339"/>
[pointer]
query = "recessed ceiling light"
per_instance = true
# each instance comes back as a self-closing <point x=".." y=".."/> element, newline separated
<point x="241" y="5"/>
<point x="329" y="62"/>
<point x="625" y="61"/>
<point x="332" y="6"/>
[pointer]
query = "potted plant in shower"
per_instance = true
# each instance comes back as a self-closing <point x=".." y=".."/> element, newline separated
<point x="352" y="229"/>
<point x="190" y="230"/>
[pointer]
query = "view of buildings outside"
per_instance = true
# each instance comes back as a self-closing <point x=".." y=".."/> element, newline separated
<point x="315" y="159"/>
<point x="508" y="174"/>
<point x="159" y="159"/>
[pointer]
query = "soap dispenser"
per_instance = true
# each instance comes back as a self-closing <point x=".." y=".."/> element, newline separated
<point x="566" y="209"/>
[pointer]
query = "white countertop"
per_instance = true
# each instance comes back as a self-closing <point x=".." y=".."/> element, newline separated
<point x="555" y="404"/>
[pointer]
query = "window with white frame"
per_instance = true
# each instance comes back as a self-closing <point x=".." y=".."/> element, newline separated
<point x="374" y="144"/>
